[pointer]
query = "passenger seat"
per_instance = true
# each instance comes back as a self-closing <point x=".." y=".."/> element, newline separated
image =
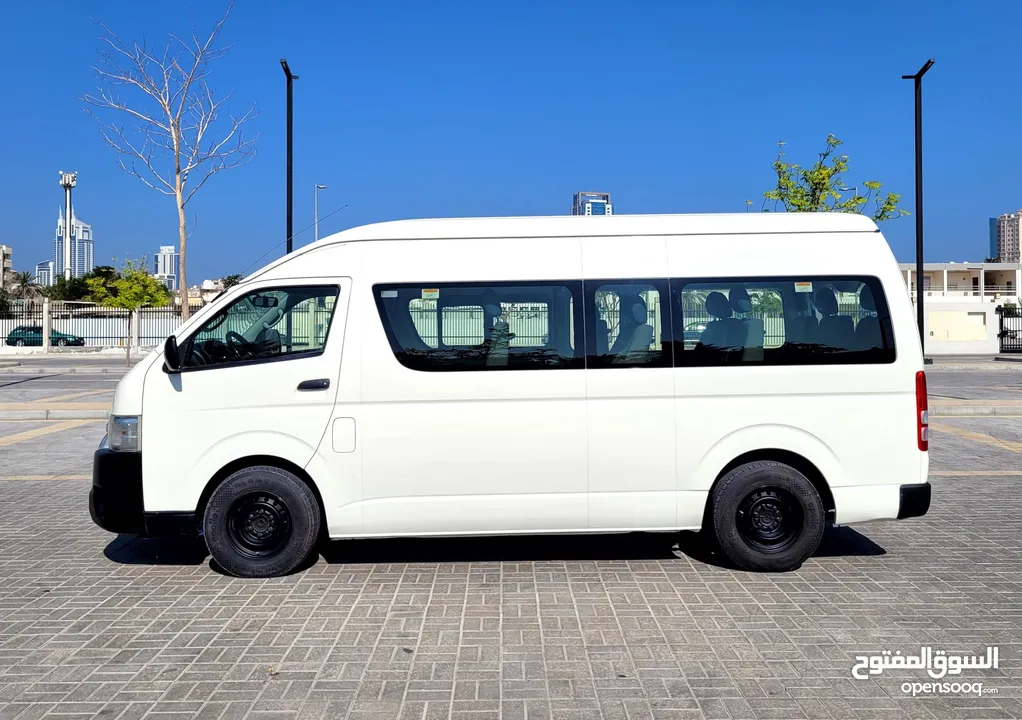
<point x="836" y="332"/>
<point x="867" y="332"/>
<point x="602" y="337"/>
<point x="641" y="337"/>
<point x="748" y="333"/>
<point x="715" y="333"/>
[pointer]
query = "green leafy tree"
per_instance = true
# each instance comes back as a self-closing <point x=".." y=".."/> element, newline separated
<point x="137" y="288"/>
<point x="229" y="281"/>
<point x="766" y="303"/>
<point x="5" y="303"/>
<point x="818" y="188"/>
<point x="102" y="284"/>
<point x="68" y="290"/>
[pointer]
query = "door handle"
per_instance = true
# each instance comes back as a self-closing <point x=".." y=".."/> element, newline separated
<point x="321" y="384"/>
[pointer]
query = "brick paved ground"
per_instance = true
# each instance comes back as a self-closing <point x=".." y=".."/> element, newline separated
<point x="92" y="625"/>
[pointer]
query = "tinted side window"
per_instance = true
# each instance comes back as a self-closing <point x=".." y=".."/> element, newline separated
<point x="264" y="325"/>
<point x="627" y="323"/>
<point x="482" y="326"/>
<point x="781" y="321"/>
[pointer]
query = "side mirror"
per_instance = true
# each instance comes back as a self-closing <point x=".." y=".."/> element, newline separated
<point x="171" y="356"/>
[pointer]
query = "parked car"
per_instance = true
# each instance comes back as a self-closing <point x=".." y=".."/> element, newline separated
<point x="32" y="335"/>
<point x="694" y="331"/>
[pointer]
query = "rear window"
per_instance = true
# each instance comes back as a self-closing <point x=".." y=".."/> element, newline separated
<point x="782" y="321"/>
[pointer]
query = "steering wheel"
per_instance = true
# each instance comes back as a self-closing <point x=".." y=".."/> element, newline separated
<point x="235" y="342"/>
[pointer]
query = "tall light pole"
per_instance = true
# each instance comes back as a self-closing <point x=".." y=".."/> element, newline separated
<point x="315" y="206"/>
<point x="67" y="181"/>
<point x="918" y="81"/>
<point x="290" y="129"/>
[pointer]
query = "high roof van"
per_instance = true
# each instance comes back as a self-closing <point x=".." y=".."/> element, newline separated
<point x="754" y="377"/>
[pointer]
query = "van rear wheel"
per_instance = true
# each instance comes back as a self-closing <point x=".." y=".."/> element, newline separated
<point x="261" y="522"/>
<point x="767" y="516"/>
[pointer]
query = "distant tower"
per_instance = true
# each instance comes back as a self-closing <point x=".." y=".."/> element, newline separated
<point x="82" y="247"/>
<point x="67" y="181"/>
<point x="591" y="203"/>
<point x="165" y="266"/>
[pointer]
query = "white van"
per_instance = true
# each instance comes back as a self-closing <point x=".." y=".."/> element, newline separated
<point x="755" y="376"/>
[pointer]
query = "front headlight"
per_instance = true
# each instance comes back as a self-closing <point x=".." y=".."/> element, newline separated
<point x="122" y="433"/>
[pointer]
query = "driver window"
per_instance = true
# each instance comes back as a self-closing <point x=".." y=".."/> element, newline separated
<point x="264" y="325"/>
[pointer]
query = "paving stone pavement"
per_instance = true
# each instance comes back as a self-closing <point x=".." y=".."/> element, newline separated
<point x="616" y="627"/>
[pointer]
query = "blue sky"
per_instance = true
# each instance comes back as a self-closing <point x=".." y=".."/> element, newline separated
<point x="413" y="109"/>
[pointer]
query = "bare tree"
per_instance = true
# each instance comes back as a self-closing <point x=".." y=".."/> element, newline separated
<point x="179" y="133"/>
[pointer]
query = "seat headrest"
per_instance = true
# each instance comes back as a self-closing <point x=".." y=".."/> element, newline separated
<point x="740" y="300"/>
<point x="639" y="312"/>
<point x="826" y="301"/>
<point x="717" y="305"/>
<point x="866" y="300"/>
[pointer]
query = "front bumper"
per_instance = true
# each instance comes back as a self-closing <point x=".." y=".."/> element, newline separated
<point x="116" y="502"/>
<point x="914" y="500"/>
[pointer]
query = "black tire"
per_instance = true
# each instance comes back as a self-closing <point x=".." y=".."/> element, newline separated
<point x="261" y="522"/>
<point x="19" y="343"/>
<point x="62" y="342"/>
<point x="767" y="516"/>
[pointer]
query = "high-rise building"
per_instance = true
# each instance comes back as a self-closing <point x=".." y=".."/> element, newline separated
<point x="6" y="266"/>
<point x="165" y="266"/>
<point x="1004" y="241"/>
<point x="82" y="262"/>
<point x="591" y="203"/>
<point x="44" y="273"/>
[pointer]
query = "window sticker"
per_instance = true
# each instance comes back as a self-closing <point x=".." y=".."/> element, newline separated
<point x="430" y="293"/>
<point x="803" y="287"/>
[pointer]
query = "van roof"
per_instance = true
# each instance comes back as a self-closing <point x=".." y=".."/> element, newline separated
<point x="564" y="226"/>
<point x="604" y="225"/>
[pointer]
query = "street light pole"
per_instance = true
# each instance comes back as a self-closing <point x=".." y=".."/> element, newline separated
<point x="290" y="129"/>
<point x="315" y="206"/>
<point x="918" y="81"/>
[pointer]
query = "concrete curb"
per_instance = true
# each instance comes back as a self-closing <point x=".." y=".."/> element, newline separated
<point x="974" y="410"/>
<point x="54" y="415"/>
<point x="21" y="370"/>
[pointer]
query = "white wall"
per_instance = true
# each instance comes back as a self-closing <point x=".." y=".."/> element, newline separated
<point x="959" y="333"/>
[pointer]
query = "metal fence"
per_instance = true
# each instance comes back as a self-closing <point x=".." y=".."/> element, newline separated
<point x="97" y="326"/>
<point x="529" y="323"/>
<point x="15" y="322"/>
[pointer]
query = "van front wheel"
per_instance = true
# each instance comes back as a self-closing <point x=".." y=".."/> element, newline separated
<point x="261" y="522"/>
<point x="767" y="516"/>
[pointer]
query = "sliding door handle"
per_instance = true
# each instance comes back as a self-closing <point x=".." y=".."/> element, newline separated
<point x="321" y="384"/>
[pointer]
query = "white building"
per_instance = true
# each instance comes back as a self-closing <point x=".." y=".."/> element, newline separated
<point x="44" y="273"/>
<point x="6" y="267"/>
<point x="82" y="250"/>
<point x="165" y="266"/>
<point x="966" y="282"/>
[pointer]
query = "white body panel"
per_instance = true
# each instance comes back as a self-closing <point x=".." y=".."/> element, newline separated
<point x="396" y="451"/>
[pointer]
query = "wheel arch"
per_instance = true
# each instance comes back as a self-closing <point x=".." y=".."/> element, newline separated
<point x="254" y="461"/>
<point x="786" y="457"/>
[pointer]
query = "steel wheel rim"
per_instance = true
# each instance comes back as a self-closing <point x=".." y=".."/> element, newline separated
<point x="770" y="519"/>
<point x="259" y="524"/>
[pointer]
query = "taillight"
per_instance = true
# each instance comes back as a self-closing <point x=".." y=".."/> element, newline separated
<point x="922" y="413"/>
